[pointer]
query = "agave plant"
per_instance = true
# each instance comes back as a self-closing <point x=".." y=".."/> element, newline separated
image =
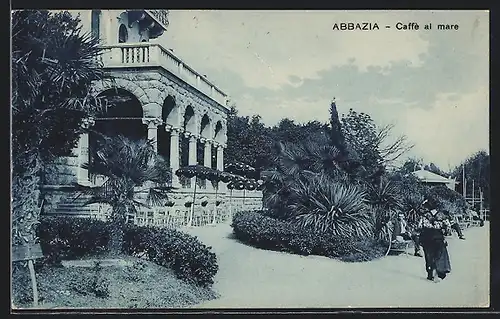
<point x="326" y="206"/>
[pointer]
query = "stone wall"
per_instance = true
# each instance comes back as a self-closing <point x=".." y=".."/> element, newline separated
<point x="64" y="200"/>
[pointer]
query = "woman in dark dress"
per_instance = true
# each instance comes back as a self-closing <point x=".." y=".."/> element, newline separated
<point x="437" y="260"/>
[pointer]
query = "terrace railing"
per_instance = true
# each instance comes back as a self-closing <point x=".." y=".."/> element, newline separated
<point x="148" y="54"/>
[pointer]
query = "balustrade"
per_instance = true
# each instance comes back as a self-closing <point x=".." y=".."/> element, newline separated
<point x="153" y="54"/>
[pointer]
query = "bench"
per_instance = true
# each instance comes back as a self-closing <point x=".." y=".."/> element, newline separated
<point x="400" y="246"/>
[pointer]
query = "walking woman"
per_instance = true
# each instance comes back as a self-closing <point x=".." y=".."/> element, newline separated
<point x="437" y="260"/>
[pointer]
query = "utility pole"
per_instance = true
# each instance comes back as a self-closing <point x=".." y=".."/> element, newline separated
<point x="481" y="209"/>
<point x="473" y="198"/>
<point x="464" y="182"/>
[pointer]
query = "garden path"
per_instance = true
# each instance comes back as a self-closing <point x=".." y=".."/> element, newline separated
<point x="253" y="278"/>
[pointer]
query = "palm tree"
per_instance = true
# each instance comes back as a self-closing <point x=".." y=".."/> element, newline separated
<point x="53" y="67"/>
<point x="131" y="168"/>
<point x="302" y="161"/>
<point x="386" y="201"/>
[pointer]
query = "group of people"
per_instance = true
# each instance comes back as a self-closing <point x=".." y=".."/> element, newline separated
<point x="428" y="233"/>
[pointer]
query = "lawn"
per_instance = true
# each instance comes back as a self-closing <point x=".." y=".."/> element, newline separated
<point x="133" y="283"/>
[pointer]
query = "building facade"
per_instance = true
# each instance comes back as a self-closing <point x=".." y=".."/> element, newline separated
<point x="159" y="96"/>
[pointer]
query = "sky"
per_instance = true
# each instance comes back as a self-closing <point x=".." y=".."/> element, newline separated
<point x="433" y="85"/>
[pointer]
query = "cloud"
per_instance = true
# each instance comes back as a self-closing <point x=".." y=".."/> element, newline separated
<point x="455" y="127"/>
<point x="269" y="47"/>
<point x="291" y="64"/>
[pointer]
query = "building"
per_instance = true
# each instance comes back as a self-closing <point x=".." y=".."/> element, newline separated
<point x="433" y="179"/>
<point x="162" y="98"/>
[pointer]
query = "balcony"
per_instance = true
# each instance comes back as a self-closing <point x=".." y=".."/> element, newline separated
<point x="161" y="17"/>
<point x="146" y="54"/>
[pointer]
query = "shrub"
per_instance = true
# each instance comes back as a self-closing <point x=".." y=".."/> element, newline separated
<point x="190" y="259"/>
<point x="260" y="230"/>
<point x="326" y="206"/>
<point x="449" y="200"/>
<point x="67" y="238"/>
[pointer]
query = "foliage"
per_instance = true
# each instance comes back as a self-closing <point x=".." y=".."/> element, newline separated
<point x="190" y="259"/>
<point x="371" y="144"/>
<point x="386" y="200"/>
<point x="248" y="140"/>
<point x="53" y="67"/>
<point x="431" y="167"/>
<point x="65" y="238"/>
<point x="95" y="283"/>
<point x="336" y="208"/>
<point x="360" y="133"/>
<point x="128" y="165"/>
<point x="448" y="199"/>
<point x="477" y="169"/>
<point x="336" y="135"/>
<point x="410" y="165"/>
<point x="297" y="161"/>
<point x="262" y="231"/>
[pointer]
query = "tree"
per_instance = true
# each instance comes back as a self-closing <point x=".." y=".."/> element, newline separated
<point x="248" y="141"/>
<point x="477" y="169"/>
<point x="434" y="169"/>
<point x="53" y="67"/>
<point x="391" y="151"/>
<point x="131" y="168"/>
<point x="411" y="165"/>
<point x="336" y="128"/>
<point x="361" y="136"/>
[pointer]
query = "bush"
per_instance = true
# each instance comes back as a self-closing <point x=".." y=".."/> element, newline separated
<point x="260" y="230"/>
<point x="190" y="259"/>
<point x="64" y="238"/>
<point x="68" y="238"/>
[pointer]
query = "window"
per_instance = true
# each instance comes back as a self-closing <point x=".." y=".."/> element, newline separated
<point x="94" y="23"/>
<point x="122" y="34"/>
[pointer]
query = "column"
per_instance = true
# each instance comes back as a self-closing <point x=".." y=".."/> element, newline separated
<point x="207" y="161"/>
<point x="207" y="155"/>
<point x="192" y="158"/>
<point x="174" y="155"/>
<point x="220" y="165"/>
<point x="83" y="152"/>
<point x="152" y="123"/>
<point x="220" y="158"/>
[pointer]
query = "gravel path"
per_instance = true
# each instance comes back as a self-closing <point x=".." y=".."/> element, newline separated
<point x="253" y="278"/>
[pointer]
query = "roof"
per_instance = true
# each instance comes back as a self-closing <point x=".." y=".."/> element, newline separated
<point x="430" y="177"/>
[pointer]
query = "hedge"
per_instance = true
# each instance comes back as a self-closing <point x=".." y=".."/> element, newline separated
<point x="258" y="229"/>
<point x="64" y="238"/>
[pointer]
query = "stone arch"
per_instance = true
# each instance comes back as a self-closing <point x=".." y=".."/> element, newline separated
<point x="206" y="126"/>
<point x="220" y="132"/>
<point x="170" y="111"/>
<point x="122" y="115"/>
<point x="120" y="105"/>
<point x="189" y="124"/>
<point x="120" y="83"/>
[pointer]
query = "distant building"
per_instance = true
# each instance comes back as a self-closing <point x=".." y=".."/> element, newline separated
<point x="433" y="179"/>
